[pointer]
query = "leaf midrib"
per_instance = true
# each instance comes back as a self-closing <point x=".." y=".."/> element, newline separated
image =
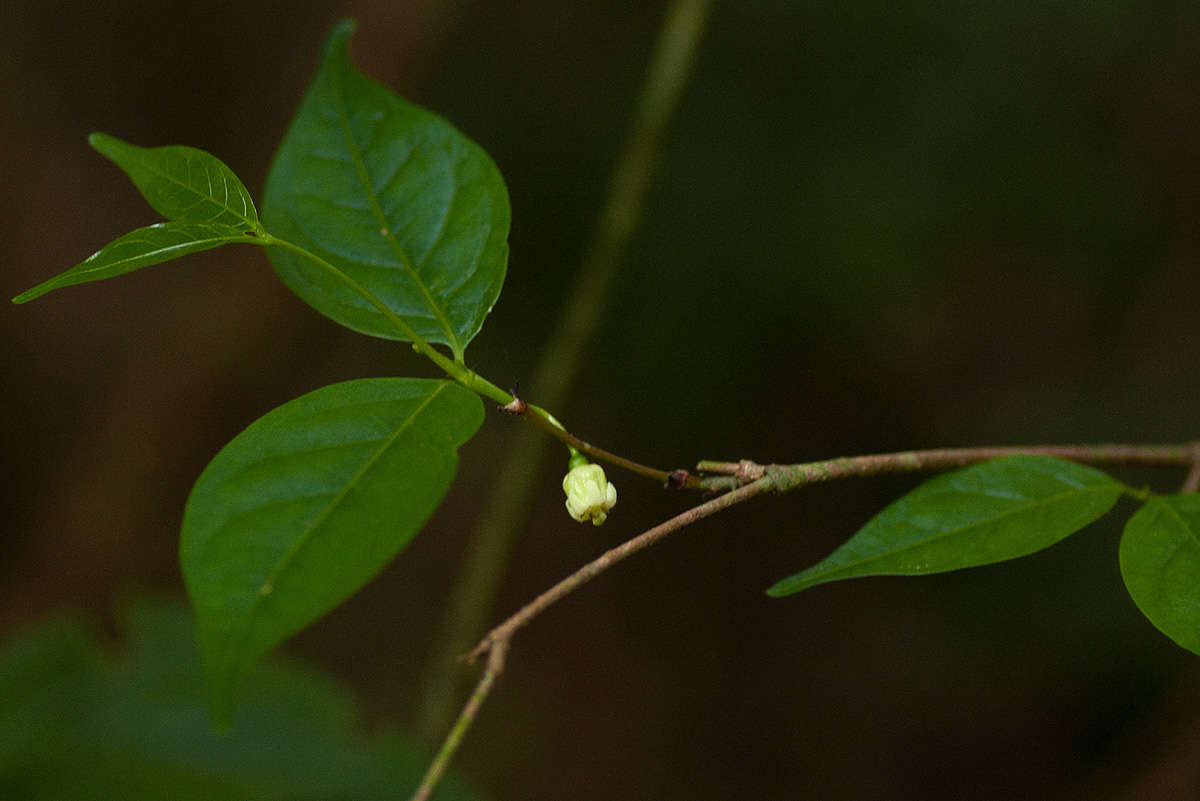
<point x="311" y="528"/>
<point x="234" y="236"/>
<point x="1191" y="533"/>
<point x="947" y="533"/>
<point x="376" y="208"/>
<point x="241" y="215"/>
<point x="69" y="278"/>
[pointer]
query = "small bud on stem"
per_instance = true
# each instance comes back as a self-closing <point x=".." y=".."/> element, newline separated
<point x="590" y="495"/>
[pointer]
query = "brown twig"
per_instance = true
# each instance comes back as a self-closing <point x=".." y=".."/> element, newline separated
<point x="495" y="665"/>
<point x="1192" y="482"/>
<point x="504" y="632"/>
<point x="498" y="641"/>
<point x="796" y="475"/>
<point x="783" y="478"/>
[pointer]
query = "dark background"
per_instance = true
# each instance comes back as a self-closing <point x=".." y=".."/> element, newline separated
<point x="877" y="226"/>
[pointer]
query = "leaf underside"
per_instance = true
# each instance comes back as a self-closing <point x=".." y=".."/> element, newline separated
<point x="310" y="502"/>
<point x="1160" y="563"/>
<point x="140" y="248"/>
<point x="982" y="514"/>
<point x="393" y="196"/>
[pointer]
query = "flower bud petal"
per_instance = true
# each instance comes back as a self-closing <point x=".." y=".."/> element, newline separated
<point x="590" y="496"/>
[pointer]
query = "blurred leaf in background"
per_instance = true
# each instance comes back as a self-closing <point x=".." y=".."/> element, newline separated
<point x="77" y="723"/>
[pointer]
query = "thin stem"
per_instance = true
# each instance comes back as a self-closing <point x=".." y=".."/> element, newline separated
<point x="547" y="423"/>
<point x="518" y="475"/>
<point x="721" y="468"/>
<point x="504" y="632"/>
<point x="472" y="380"/>
<point x="1192" y="482"/>
<point x="498" y="640"/>
<point x="784" y="478"/>
<point x="796" y="475"/>
<point x="466" y="718"/>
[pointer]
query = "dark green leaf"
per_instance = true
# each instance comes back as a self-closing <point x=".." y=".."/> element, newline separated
<point x="393" y="196"/>
<point x="975" y="516"/>
<point x="1160" y="562"/>
<point x="183" y="183"/>
<point x="40" y="682"/>
<point x="144" y="247"/>
<point x="77" y="724"/>
<point x="307" y="504"/>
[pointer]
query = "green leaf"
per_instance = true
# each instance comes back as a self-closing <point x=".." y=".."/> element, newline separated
<point x="1160" y="562"/>
<point x="307" y="504"/>
<point x="80" y="722"/>
<point x="183" y="183"/>
<point x="975" y="516"/>
<point x="143" y="247"/>
<point x="40" y="682"/>
<point x="396" y="198"/>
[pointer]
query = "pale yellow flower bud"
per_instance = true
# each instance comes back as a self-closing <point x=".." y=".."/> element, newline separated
<point x="589" y="494"/>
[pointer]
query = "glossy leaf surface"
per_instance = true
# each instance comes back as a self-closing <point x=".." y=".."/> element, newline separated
<point x="396" y="198"/>
<point x="140" y="248"/>
<point x="307" y="504"/>
<point x="1160" y="563"/>
<point x="183" y="183"/>
<point x="978" y="515"/>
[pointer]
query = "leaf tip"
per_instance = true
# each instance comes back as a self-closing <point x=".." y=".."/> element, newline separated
<point x="799" y="582"/>
<point x="109" y="146"/>
<point x="781" y="588"/>
<point x="34" y="293"/>
<point x="336" y="43"/>
<point x="103" y="143"/>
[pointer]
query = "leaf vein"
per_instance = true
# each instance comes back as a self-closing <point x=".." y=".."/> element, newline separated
<point x="939" y="535"/>
<point x="402" y="256"/>
<point x="306" y="535"/>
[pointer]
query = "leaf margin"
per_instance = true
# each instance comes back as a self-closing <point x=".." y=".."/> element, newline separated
<point x="217" y="236"/>
<point x="229" y="649"/>
<point x="826" y="570"/>
<point x="143" y="165"/>
<point x="1167" y="614"/>
<point x="455" y="328"/>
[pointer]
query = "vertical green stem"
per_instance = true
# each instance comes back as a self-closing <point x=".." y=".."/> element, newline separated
<point x="518" y="477"/>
